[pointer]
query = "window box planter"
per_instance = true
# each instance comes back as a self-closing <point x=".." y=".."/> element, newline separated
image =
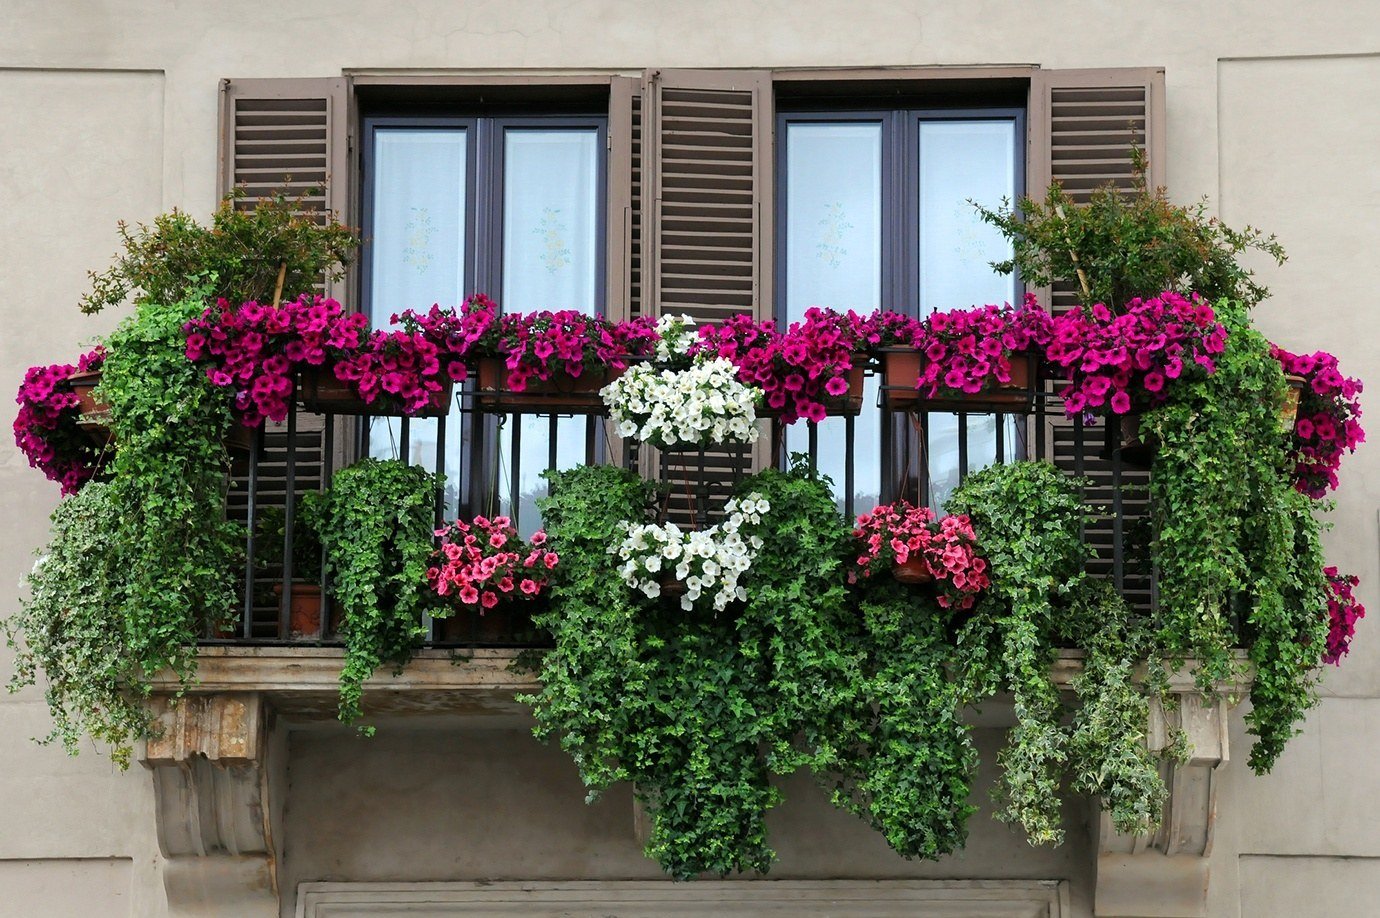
<point x="562" y="394"/>
<point x="321" y="392"/>
<point x="901" y="369"/>
<point x="849" y="404"/>
<point x="506" y="623"/>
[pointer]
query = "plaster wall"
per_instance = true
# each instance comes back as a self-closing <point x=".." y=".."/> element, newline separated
<point x="109" y="112"/>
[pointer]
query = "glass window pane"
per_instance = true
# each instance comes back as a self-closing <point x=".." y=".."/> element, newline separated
<point x="834" y="259"/>
<point x="417" y="240"/>
<point x="963" y="161"/>
<point x="550" y="261"/>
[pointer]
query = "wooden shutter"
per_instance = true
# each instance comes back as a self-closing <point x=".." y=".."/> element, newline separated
<point x="287" y="134"/>
<point x="708" y="137"/>
<point x="1082" y="124"/>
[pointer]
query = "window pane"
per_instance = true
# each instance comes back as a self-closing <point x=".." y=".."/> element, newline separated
<point x="550" y="261"/>
<point x="834" y="259"/>
<point x="417" y="237"/>
<point x="962" y="161"/>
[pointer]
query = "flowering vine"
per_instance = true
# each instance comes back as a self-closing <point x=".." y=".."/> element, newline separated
<point x="46" y="430"/>
<point x="1329" y="421"/>
<point x="484" y="562"/>
<point x="1116" y="363"/>
<point x="1343" y="611"/>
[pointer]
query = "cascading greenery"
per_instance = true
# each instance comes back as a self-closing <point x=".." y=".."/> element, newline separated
<point x="1237" y="546"/>
<point x="376" y="524"/>
<point x="1028" y="517"/>
<point x="136" y="568"/>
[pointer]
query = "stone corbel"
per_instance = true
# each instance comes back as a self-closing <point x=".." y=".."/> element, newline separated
<point x="1165" y="874"/>
<point x="212" y="803"/>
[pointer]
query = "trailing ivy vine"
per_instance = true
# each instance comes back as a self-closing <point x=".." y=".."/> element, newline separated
<point x="1237" y="546"/>
<point x="376" y="524"/>
<point x="160" y="550"/>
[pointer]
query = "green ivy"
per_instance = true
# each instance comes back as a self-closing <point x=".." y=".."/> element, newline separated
<point x="1028" y="517"/>
<point x="376" y="525"/>
<point x="1237" y="546"/>
<point x="163" y="569"/>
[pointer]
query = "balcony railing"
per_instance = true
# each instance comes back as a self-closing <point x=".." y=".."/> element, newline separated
<point x="304" y="452"/>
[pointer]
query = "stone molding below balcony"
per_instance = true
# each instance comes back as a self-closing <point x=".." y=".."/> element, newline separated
<point x="215" y="763"/>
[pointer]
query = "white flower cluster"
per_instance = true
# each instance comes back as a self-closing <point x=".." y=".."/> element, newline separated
<point x="677" y="334"/>
<point x="702" y="406"/>
<point x="709" y="562"/>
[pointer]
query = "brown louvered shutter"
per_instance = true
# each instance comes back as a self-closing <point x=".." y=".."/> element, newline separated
<point x="1082" y="124"/>
<point x="706" y="225"/>
<point x="288" y="134"/>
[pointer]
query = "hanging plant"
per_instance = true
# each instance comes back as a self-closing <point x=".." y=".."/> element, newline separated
<point x="1343" y="611"/>
<point x="377" y="527"/>
<point x="911" y="541"/>
<point x="701" y="406"/>
<point x="47" y="428"/>
<point x="704" y="563"/>
<point x="1329" y="419"/>
<point x="483" y="563"/>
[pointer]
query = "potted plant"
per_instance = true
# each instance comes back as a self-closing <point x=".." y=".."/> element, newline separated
<point x="391" y="373"/>
<point x="812" y="370"/>
<point x="376" y="525"/>
<point x="978" y="360"/>
<point x="920" y="549"/>
<point x="1329" y="422"/>
<point x="694" y="565"/>
<point x="49" y="427"/>
<point x="1118" y="365"/>
<point x="701" y="406"/>
<point x="305" y="599"/>
<point x="547" y="360"/>
<point x="487" y="576"/>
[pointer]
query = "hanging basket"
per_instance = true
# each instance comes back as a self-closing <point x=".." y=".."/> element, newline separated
<point x="560" y="395"/>
<point x="1289" y="411"/>
<point x="912" y="571"/>
<point x="901" y="369"/>
<point x="321" y="392"/>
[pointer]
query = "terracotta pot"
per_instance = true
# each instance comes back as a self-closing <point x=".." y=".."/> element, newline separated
<point x="82" y="384"/>
<point x="913" y="570"/>
<point x="1013" y="397"/>
<point x="321" y="392"/>
<point x="304" y="611"/>
<point x="900" y="371"/>
<point x="562" y="394"/>
<point x="1289" y="411"/>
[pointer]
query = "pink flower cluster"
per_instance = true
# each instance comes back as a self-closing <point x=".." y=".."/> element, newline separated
<point x="1119" y="362"/>
<point x="801" y="370"/>
<point x="401" y="367"/>
<point x="46" y="430"/>
<point x="549" y="345"/>
<point x="257" y="349"/>
<point x="483" y="562"/>
<point x="1329" y="421"/>
<point x="1343" y="611"/>
<point x="967" y="349"/>
<point x="892" y="533"/>
<point x="454" y="333"/>
<point x="885" y="328"/>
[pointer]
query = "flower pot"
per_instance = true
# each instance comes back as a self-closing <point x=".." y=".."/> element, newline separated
<point x="321" y="392"/>
<point x="1137" y="448"/>
<point x="671" y="586"/>
<point x="912" y="571"/>
<point x="304" y="611"/>
<point x="837" y="406"/>
<point x="499" y="625"/>
<point x="81" y="384"/>
<point x="1289" y="411"/>
<point x="559" y="395"/>
<point x="1012" y="397"/>
<point x="901" y="368"/>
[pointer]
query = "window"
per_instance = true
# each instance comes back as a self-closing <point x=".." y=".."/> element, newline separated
<point x="873" y="209"/>
<point x="509" y="206"/>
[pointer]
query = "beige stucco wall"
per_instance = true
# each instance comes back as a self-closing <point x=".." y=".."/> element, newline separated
<point x="108" y="111"/>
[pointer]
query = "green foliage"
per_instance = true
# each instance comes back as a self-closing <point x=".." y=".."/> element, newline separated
<point x="1128" y="245"/>
<point x="1237" y="547"/>
<point x="908" y="771"/>
<point x="238" y="255"/>
<point x="164" y="567"/>
<point x="377" y="522"/>
<point x="698" y="710"/>
<point x="71" y="630"/>
<point x="1028" y="519"/>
